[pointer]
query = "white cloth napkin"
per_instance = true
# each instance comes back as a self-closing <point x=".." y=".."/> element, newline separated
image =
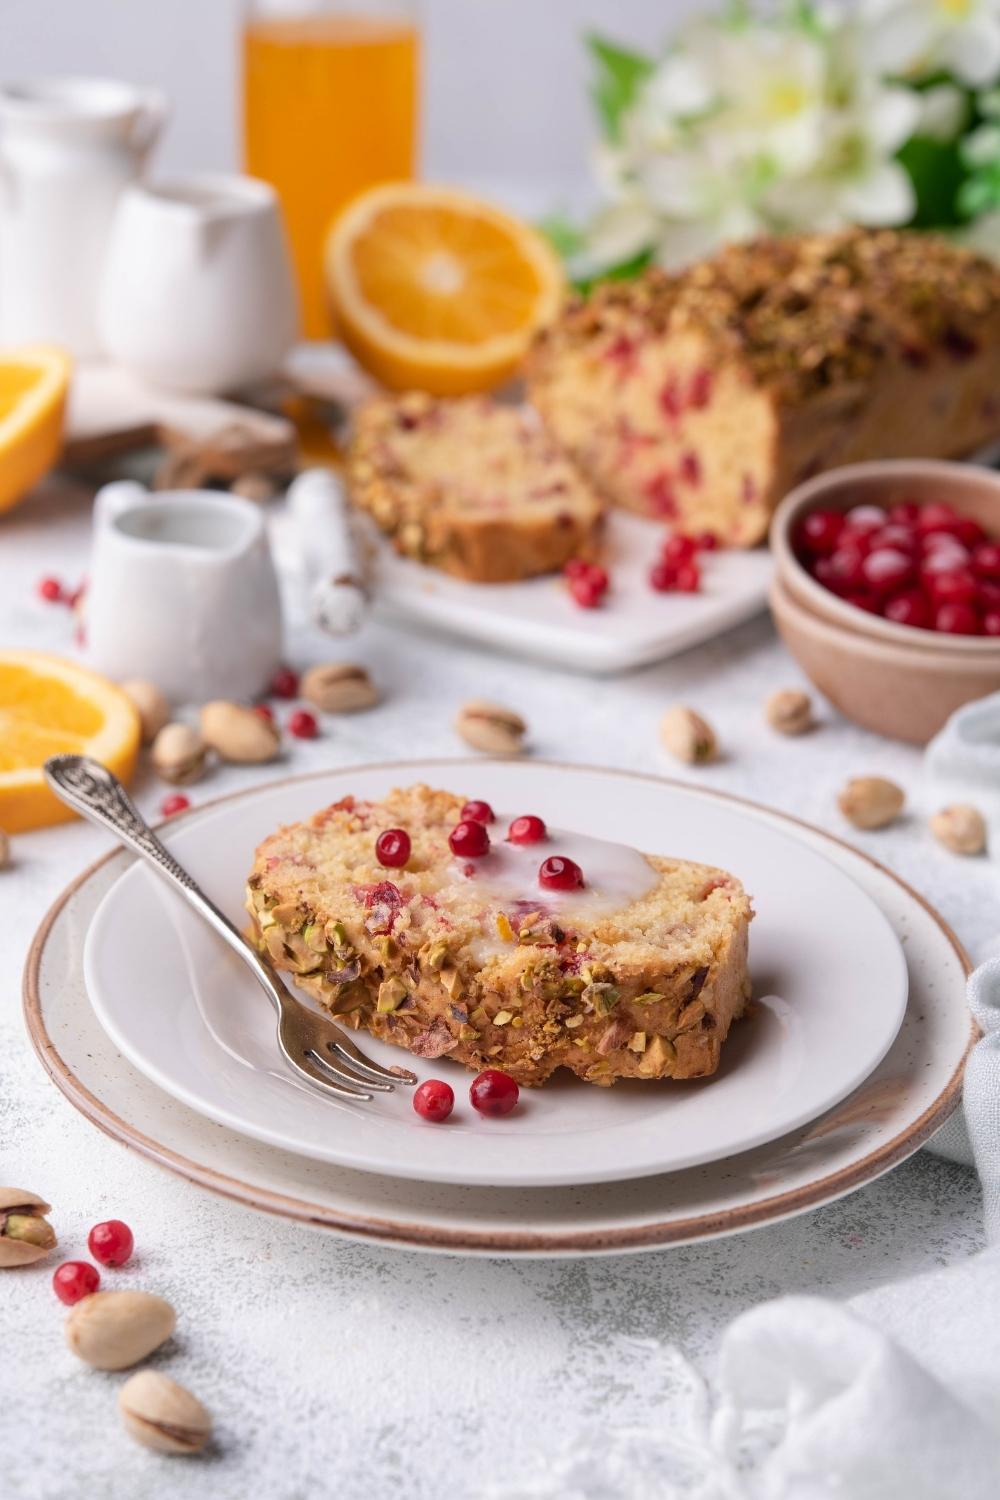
<point x="894" y="1395"/>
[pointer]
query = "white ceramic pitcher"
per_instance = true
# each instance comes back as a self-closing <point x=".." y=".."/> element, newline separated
<point x="197" y="293"/>
<point x="68" y="147"/>
<point x="183" y="593"/>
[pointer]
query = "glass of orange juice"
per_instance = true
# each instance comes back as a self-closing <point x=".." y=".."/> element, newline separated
<point x="329" y="108"/>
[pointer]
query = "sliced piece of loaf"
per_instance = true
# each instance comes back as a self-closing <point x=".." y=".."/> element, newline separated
<point x="639" y="975"/>
<point x="702" y="398"/>
<point x="472" y="486"/>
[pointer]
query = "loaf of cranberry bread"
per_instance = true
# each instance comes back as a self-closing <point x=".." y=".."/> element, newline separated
<point x="638" y="973"/>
<point x="703" y="397"/>
<point x="472" y="486"/>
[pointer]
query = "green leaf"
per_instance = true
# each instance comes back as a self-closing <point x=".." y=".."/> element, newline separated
<point x="620" y="75"/>
<point x="566" y="238"/>
<point x="937" y="172"/>
<point x="623" y="271"/>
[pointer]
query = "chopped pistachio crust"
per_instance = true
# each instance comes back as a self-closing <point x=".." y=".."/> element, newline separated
<point x="425" y="960"/>
<point x="475" y="487"/>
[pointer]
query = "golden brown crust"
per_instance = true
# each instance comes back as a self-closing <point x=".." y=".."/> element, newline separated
<point x="422" y="960"/>
<point x="472" y="486"/>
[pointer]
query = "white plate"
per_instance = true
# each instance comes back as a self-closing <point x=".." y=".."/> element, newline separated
<point x="828" y="972"/>
<point x="538" y="619"/>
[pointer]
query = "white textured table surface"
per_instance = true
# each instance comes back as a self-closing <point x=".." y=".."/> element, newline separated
<point x="334" y="1369"/>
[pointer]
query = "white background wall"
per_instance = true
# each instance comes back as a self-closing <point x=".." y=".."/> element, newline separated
<point x="505" y="85"/>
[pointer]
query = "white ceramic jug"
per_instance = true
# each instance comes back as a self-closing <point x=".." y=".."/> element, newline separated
<point x="197" y="294"/>
<point x="183" y="593"/>
<point x="68" y="146"/>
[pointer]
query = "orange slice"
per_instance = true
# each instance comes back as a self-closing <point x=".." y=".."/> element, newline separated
<point x="49" y="706"/>
<point x="434" y="290"/>
<point x="33" y="386"/>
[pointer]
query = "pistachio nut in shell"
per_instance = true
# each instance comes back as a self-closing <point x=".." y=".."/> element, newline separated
<point x="162" y="1415"/>
<point x="25" y="1233"/>
<point x="179" y="753"/>
<point x="114" y="1330"/>
<point x="491" y="727"/>
<point x="688" y="736"/>
<point x="339" y="687"/>
<point x="239" y="735"/>
<point x="871" y="801"/>
<point x="150" y="704"/>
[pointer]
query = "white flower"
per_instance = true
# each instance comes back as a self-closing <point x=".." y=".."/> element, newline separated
<point x="761" y="127"/>
<point x="914" y="38"/>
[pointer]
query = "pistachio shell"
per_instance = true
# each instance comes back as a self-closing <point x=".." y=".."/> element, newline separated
<point x="114" y="1330"/>
<point x="238" y="734"/>
<point x="339" y="687"/>
<point x="179" y="753"/>
<point x="688" y="736"/>
<point x="162" y="1415"/>
<point x="149" y="704"/>
<point x="871" y="801"/>
<point x="491" y="728"/>
<point x="25" y="1234"/>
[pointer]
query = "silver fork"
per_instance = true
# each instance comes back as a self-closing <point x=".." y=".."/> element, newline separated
<point x="313" y="1046"/>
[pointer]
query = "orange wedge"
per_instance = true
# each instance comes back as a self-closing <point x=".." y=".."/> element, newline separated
<point x="434" y="290"/>
<point x="33" y="386"/>
<point x="49" y="706"/>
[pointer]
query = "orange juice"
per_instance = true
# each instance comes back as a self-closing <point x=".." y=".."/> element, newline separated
<point x="329" y="109"/>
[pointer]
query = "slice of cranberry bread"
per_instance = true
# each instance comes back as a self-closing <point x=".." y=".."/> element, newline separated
<point x="638" y="974"/>
<point x="703" y="397"/>
<point x="471" y="486"/>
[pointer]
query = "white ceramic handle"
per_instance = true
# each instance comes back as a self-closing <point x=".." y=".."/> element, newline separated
<point x="110" y="501"/>
<point x="149" y="122"/>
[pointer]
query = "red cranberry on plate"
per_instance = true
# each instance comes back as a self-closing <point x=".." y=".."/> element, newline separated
<point x="493" y="1093"/>
<point x="434" y="1100"/>
<point x="526" y="830"/>
<point x="469" y="839"/>
<point x="284" y="683"/>
<point x="560" y="874"/>
<point x="477" y="812"/>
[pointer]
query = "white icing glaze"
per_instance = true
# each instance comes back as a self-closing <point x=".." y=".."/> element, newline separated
<point x="615" y="875"/>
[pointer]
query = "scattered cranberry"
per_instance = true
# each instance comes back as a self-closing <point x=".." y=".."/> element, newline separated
<point x="477" y="812"/>
<point x="75" y="1279"/>
<point x="469" y="839"/>
<point x="560" y="874"/>
<point x="577" y="567"/>
<point x="51" y="590"/>
<point x="302" y="724"/>
<point x="527" y="830"/>
<point x="707" y="541"/>
<point x="662" y="577"/>
<point x="111" y="1242"/>
<point x="392" y="848"/>
<point x="688" y="578"/>
<point x="678" y="548"/>
<point x="285" y="683"/>
<point x="434" y="1100"/>
<point x="587" y="582"/>
<point x="177" y="803"/>
<point x="956" y="619"/>
<point x="493" y="1093"/>
<point x="264" y="712"/>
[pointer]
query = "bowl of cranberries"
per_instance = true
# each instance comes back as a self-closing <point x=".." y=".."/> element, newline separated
<point x="887" y="589"/>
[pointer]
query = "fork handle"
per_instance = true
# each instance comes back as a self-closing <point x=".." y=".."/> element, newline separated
<point x="91" y="790"/>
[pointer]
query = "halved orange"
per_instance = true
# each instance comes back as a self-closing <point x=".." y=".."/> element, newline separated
<point x="435" y="290"/>
<point x="49" y="706"/>
<point x="33" y="384"/>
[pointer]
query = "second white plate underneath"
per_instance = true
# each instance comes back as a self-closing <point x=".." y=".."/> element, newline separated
<point x="828" y="971"/>
<point x="537" y="618"/>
